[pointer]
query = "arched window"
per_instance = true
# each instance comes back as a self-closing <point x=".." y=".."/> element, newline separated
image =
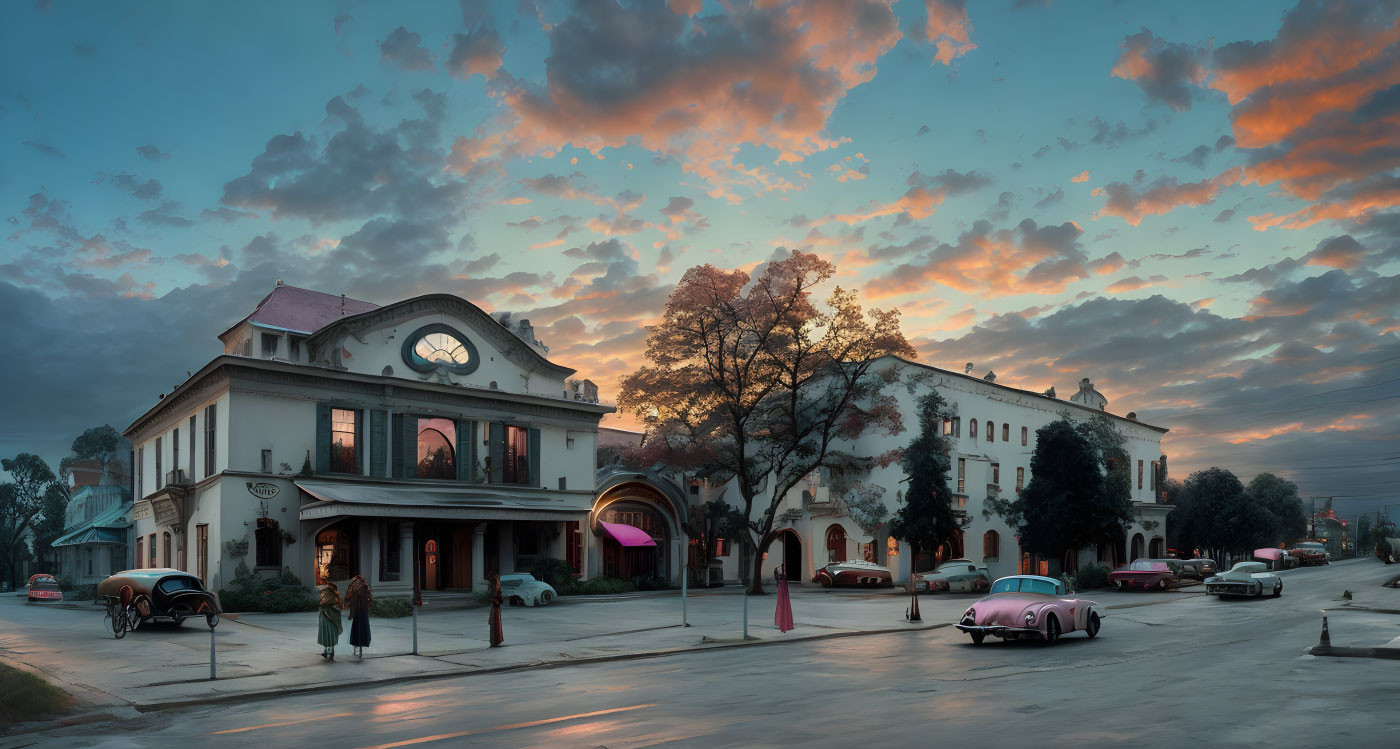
<point x="972" y="428"/>
<point x="1071" y="561"/>
<point x="437" y="449"/>
<point x="991" y="431"/>
<point x="835" y="544"/>
<point x="332" y="555"/>
<point x="991" y="546"/>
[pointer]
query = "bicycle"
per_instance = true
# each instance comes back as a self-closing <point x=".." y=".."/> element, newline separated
<point x="117" y="619"/>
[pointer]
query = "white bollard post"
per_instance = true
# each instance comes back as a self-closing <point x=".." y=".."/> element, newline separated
<point x="415" y="629"/>
<point x="211" y="654"/>
<point x="685" y="568"/>
<point x="746" y="613"/>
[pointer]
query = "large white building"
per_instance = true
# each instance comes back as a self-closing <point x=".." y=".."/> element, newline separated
<point x="337" y="437"/>
<point x="993" y="432"/>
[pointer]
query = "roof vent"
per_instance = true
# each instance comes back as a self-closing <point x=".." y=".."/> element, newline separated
<point x="968" y="369"/>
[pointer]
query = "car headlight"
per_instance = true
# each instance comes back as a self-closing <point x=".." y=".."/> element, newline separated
<point x="1030" y="617"/>
<point x="970" y="615"/>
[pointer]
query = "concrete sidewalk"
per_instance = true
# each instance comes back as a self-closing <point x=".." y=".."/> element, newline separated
<point x="161" y="666"/>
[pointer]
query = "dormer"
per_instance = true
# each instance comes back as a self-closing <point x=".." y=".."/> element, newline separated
<point x="279" y="326"/>
<point x="1088" y="396"/>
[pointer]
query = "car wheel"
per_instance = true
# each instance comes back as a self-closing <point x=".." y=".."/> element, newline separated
<point x="978" y="637"/>
<point x="1093" y="629"/>
<point x="1278" y="591"/>
<point x="1162" y="584"/>
<point x="546" y="596"/>
<point x="1052" y="630"/>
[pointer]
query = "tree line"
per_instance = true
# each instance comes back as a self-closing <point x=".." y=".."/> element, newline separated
<point x="34" y="501"/>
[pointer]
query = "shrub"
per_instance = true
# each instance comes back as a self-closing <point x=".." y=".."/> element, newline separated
<point x="602" y="586"/>
<point x="273" y="595"/>
<point x="653" y="583"/>
<point x="391" y="608"/>
<point x="81" y="593"/>
<point x="556" y="572"/>
<point x="1092" y="577"/>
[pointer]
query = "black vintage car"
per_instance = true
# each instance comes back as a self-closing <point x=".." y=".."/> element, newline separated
<point x="1198" y="569"/>
<point x="157" y="594"/>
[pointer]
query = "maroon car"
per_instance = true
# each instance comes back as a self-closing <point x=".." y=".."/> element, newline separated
<point x="1148" y="574"/>
<point x="44" y="587"/>
<point x="1310" y="552"/>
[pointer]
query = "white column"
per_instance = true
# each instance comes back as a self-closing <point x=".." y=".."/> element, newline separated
<point x="479" y="557"/>
<point x="678" y="558"/>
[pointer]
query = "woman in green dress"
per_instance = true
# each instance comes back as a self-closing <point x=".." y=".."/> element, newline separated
<point x="329" y="629"/>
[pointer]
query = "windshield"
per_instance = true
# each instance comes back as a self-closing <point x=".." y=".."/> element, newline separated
<point x="1142" y="565"/>
<point x="176" y="584"/>
<point x="1024" y="585"/>
<point x="1312" y="547"/>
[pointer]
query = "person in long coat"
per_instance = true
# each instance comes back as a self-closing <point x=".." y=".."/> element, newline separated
<point x="498" y="636"/>
<point x="782" y="615"/>
<point x="357" y="600"/>
<point x="328" y="628"/>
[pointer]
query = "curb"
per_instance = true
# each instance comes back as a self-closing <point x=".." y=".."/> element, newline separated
<point x="1346" y="652"/>
<point x="544" y="665"/>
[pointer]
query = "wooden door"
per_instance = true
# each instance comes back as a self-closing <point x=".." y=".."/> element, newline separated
<point x="461" y="576"/>
<point x="431" y="560"/>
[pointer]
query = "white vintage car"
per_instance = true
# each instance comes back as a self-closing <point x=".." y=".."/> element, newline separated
<point x="523" y="589"/>
<point x="1245" y="579"/>
<point x="955" y="575"/>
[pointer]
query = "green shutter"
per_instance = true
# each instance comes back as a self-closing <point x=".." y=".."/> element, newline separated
<point x="323" y="437"/>
<point x="471" y="451"/>
<point x="498" y="452"/>
<point x="464" y="439"/>
<point x="378" y="434"/>
<point x="535" y="478"/>
<point x="398" y="446"/>
<point x="360" y="452"/>
<point x="410" y="446"/>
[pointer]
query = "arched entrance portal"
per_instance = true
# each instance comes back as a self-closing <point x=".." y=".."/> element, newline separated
<point x="645" y="501"/>
<point x="628" y="562"/>
<point x="792" y="556"/>
<point x="1137" y="547"/>
<point x="335" y="553"/>
<point x="1156" y="548"/>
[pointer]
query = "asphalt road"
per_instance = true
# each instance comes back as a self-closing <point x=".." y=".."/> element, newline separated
<point x="1195" y="671"/>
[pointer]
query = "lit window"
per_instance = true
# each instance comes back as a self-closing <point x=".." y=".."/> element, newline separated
<point x="972" y="429"/>
<point x="991" y="546"/>
<point x="437" y="449"/>
<point x="517" y="463"/>
<point x="962" y="473"/>
<point x="891" y="547"/>
<point x="343" y="456"/>
<point x="441" y="347"/>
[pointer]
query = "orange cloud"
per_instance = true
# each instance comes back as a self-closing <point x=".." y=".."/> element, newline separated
<point x="1080" y="178"/>
<point x="948" y="29"/>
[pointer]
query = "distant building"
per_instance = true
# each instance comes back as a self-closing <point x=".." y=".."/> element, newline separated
<point x="992" y="431"/>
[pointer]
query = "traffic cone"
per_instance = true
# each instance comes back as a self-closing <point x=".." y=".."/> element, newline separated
<point x="912" y="613"/>
<point x="1326" y="641"/>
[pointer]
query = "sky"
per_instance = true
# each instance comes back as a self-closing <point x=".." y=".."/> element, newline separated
<point x="1196" y="205"/>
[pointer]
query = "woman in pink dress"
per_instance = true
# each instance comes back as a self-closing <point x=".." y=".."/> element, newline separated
<point x="783" y="616"/>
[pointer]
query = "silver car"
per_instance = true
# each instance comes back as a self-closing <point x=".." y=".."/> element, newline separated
<point x="1246" y="579"/>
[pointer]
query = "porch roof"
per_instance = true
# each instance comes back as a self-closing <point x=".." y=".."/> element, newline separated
<point x="469" y="502"/>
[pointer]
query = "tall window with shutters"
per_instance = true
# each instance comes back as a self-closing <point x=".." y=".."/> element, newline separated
<point x="1139" y="483"/>
<point x="175" y="451"/>
<point x="1024" y="436"/>
<point x="1020" y="479"/>
<point x="343" y="451"/>
<point x="972" y="429"/>
<point x="991" y="431"/>
<point x="962" y="474"/>
<point x="209" y="414"/>
<point x="159" y="476"/>
<point x="1005" y="432"/>
<point x="996" y="474"/>
<point x="517" y="460"/>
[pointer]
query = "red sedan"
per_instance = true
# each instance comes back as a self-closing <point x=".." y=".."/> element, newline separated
<point x="1148" y="574"/>
<point x="44" y="587"/>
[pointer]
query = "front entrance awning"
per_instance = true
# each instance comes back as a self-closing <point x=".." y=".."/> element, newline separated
<point x="92" y="536"/>
<point x="627" y="535"/>
<point x="449" y="502"/>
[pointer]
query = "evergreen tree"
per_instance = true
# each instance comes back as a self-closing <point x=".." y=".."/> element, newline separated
<point x="1068" y="503"/>
<point x="926" y="519"/>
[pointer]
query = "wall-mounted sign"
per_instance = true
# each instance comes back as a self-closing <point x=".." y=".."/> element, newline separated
<point x="263" y="490"/>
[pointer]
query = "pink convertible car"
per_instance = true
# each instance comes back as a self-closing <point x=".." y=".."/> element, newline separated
<point x="1029" y="606"/>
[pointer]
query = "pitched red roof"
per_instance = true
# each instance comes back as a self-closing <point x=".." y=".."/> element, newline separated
<point x="303" y="310"/>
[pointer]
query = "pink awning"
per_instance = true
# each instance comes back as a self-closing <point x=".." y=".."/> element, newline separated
<point x="627" y="535"/>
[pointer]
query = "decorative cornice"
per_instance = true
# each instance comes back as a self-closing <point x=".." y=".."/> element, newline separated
<point x="510" y="345"/>
<point x="195" y="389"/>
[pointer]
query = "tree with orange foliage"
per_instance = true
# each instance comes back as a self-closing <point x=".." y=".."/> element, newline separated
<point x="752" y="380"/>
